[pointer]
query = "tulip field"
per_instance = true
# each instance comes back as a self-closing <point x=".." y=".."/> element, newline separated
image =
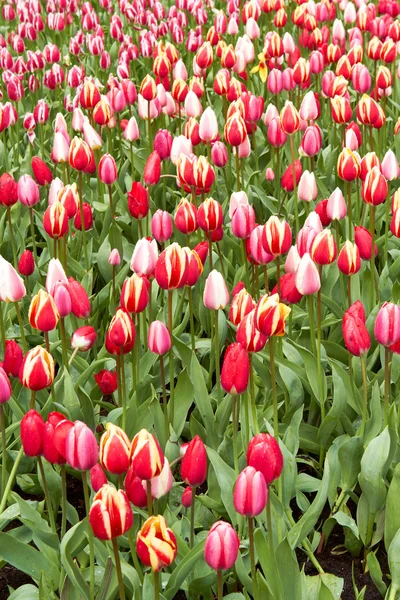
<point x="199" y="299"/>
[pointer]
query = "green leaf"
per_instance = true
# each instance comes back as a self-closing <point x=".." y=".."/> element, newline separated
<point x="27" y="559"/>
<point x="202" y="399"/>
<point x="394" y="561"/>
<point x="372" y="471"/>
<point x="180" y="572"/>
<point x="25" y="592"/>
<point x="340" y="398"/>
<point x="289" y="571"/>
<point x="226" y="480"/>
<point x="268" y="562"/>
<point x="392" y="518"/>
<point x="72" y="543"/>
<point x="376" y="573"/>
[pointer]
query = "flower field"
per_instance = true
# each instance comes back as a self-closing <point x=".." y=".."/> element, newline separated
<point x="199" y="300"/>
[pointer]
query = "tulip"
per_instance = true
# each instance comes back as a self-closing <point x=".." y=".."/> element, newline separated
<point x="114" y="450"/>
<point x="26" y="263"/>
<point x="276" y="237"/>
<point x="336" y="206"/>
<point x="209" y="215"/>
<point x="222" y="546"/>
<point x="307" y="189"/>
<point x="152" y="169"/>
<point x="250" y="494"/>
<point x="348" y="165"/>
<point x="307" y="277"/>
<point x="235" y="370"/>
<point x="121" y="334"/>
<point x="387" y="324"/>
<point x="144" y="257"/>
<point x="13" y="357"/>
<point x="186" y="498"/>
<point x="114" y="258"/>
<point x="375" y="187"/>
<point x="194" y="463"/>
<point x="186" y="217"/>
<point x="79" y="155"/>
<point x="135" y="490"/>
<point x="41" y="171"/>
<point x="243" y="221"/>
<point x="208" y="129"/>
<point x="50" y="451"/>
<point x="147" y="458"/>
<point x="80" y="303"/>
<point x="171" y="268"/>
<point x="163" y="143"/>
<point x="363" y="241"/>
<point x="216" y="293"/>
<point x="161" y="226"/>
<point x="97" y="477"/>
<point x="107" y="381"/>
<point x="55" y="220"/>
<point x="8" y="190"/>
<point x="156" y="544"/>
<point x="81" y="449"/>
<point x="355" y="334"/>
<point x="263" y="453"/>
<point x="32" y="431"/>
<point x="110" y="514"/>
<point x="235" y="130"/>
<point x="12" y="288"/>
<point x="5" y="389"/>
<point x="323" y="249"/>
<point x="28" y="191"/>
<point x="135" y="294"/>
<point x="107" y="169"/>
<point x="390" y="166"/>
<point x="159" y="341"/>
<point x="242" y="304"/>
<point x="37" y="369"/>
<point x="43" y="313"/>
<point x="138" y="201"/>
<point x="349" y="261"/>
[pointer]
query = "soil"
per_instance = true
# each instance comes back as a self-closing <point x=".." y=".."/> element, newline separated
<point x="9" y="576"/>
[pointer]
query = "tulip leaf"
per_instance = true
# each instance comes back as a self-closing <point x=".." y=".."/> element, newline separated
<point x="340" y="398"/>
<point x="25" y="592"/>
<point x="182" y="570"/>
<point x="392" y="518"/>
<point x="27" y="559"/>
<point x="72" y="543"/>
<point x="372" y="470"/>
<point x="226" y="478"/>
<point x="203" y="400"/>
<point x="394" y="561"/>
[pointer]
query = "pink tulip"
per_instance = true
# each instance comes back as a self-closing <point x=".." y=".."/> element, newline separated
<point x="5" y="387"/>
<point x="28" y="191"/>
<point x="159" y="340"/>
<point x="387" y="324"/>
<point x="12" y="288"/>
<point x="180" y="145"/>
<point x="55" y="186"/>
<point x="243" y="221"/>
<point x="222" y="546"/>
<point x="161" y="485"/>
<point x="161" y="226"/>
<point x="308" y="108"/>
<point x="216" y="293"/>
<point x="336" y="207"/>
<point x="250" y="494"/>
<point x="114" y="258"/>
<point x="390" y="166"/>
<point x="60" y="151"/>
<point x="307" y="277"/>
<point x="131" y="132"/>
<point x="307" y="189"/>
<point x="144" y="258"/>
<point x="55" y="274"/>
<point x="237" y="199"/>
<point x="208" y="129"/>
<point x="219" y="154"/>
<point x="292" y="260"/>
<point x="107" y="169"/>
<point x="81" y="449"/>
<point x="193" y="107"/>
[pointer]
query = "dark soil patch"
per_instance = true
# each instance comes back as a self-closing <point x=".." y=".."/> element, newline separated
<point x="10" y="576"/>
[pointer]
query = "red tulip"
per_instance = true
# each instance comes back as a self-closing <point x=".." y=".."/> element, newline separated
<point x="194" y="463"/>
<point x="107" y="381"/>
<point x="235" y="370"/>
<point x="263" y="453"/>
<point x="32" y="431"/>
<point x="110" y="514"/>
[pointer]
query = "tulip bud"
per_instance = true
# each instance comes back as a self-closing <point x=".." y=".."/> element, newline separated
<point x="135" y="294"/>
<point x="37" y="369"/>
<point x="152" y="169"/>
<point x="235" y="370"/>
<point x="32" y="431"/>
<point x="219" y="154"/>
<point x="355" y="333"/>
<point x="28" y="191"/>
<point x="194" y="463"/>
<point x="43" y="313"/>
<point x="271" y="315"/>
<point x="375" y="187"/>
<point x="363" y="240"/>
<point x="209" y="215"/>
<point x="387" y="324"/>
<point x="263" y="453"/>
<point x="336" y="205"/>
<point x="5" y="387"/>
<point x="97" y="477"/>
<point x="156" y="544"/>
<point x="107" y="169"/>
<point x="162" y="484"/>
<point x="289" y="118"/>
<point x="79" y="155"/>
<point x="222" y="546"/>
<point x="161" y="226"/>
<point x="186" y="498"/>
<point x="242" y="304"/>
<point x="250" y="494"/>
<point x="138" y="201"/>
<point x="349" y="261"/>
<point x="307" y="190"/>
<point x="41" y="171"/>
<point x="121" y="334"/>
<point x="81" y="450"/>
<point x="107" y="381"/>
<point x="114" y="450"/>
<point x="186" y="217"/>
<point x="276" y="236"/>
<point x="171" y="268"/>
<point x="135" y="489"/>
<point x="114" y="258"/>
<point x="307" y="277"/>
<point x="243" y="221"/>
<point x="110" y="514"/>
<point x="55" y="220"/>
<point x="158" y="341"/>
<point x="216" y="293"/>
<point x="348" y="165"/>
<point x="147" y="458"/>
<point x="8" y="190"/>
<point x="323" y="250"/>
<point x="13" y="357"/>
<point x="83" y="338"/>
<point x="26" y="263"/>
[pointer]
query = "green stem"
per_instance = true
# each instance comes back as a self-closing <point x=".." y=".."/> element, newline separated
<point x="234" y="433"/>
<point x="64" y="344"/>
<point x="269" y="522"/>
<point x="273" y="386"/>
<point x="21" y="327"/>
<point x="393" y="592"/>
<point x="114" y="296"/>
<point x="10" y="481"/>
<point x="4" y="450"/>
<point x="171" y="362"/>
<point x="164" y="393"/>
<point x="252" y="557"/>
<point x="32" y="222"/>
<point x="319" y="370"/>
<point x="217" y="365"/>
<point x="296" y="208"/>
<point x="71" y="360"/>
<point x="149" y="498"/>
<point x="387" y="385"/>
<point x="14" y="249"/>
<point x="82" y="221"/>
<point x="47" y="495"/>
<point x="156" y="585"/>
<point x="237" y="170"/>
<point x="220" y="585"/>
<point x="253" y="397"/>
<point x="91" y="541"/>
<point x="387" y="219"/>
<point x="192" y="515"/>
<point x="118" y="569"/>
<point x="122" y="359"/>
<point x="310" y="303"/>
<point x="245" y="265"/>
<point x="193" y="341"/>
<point x="372" y="226"/>
<point x="63" y="501"/>
<point x="365" y="393"/>
<point x="136" y="563"/>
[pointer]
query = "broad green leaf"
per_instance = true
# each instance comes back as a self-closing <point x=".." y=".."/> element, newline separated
<point x="376" y="573"/>
<point x="202" y="399"/>
<point x="72" y="543"/>
<point x="392" y="518"/>
<point x="25" y="592"/>
<point x="226" y="478"/>
<point x="394" y="561"/>
<point x="181" y="571"/>
<point x="372" y="470"/>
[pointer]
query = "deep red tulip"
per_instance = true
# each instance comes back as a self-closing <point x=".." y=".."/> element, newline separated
<point x="107" y="381"/>
<point x="235" y="370"/>
<point x="194" y="463"/>
<point x="263" y="453"/>
<point x="32" y="431"/>
<point x="110" y="514"/>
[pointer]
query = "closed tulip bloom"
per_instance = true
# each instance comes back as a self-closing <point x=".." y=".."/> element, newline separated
<point x="271" y="315"/>
<point x="311" y="142"/>
<point x="307" y="190"/>
<point x="348" y="165"/>
<point x="26" y="263"/>
<point x="107" y="381"/>
<point x="115" y="448"/>
<point x="186" y="498"/>
<point x="144" y="257"/>
<point x="235" y="130"/>
<point x="250" y="494"/>
<point x="340" y="109"/>
<point x="161" y="226"/>
<point x="395" y="223"/>
<point x="235" y="370"/>
<point x="79" y="154"/>
<point x="69" y="198"/>
<point x="12" y="288"/>
<point x="208" y="129"/>
<point x="216" y="293"/>
<point x="289" y="118"/>
<point x="156" y="544"/>
<point x="277" y="236"/>
<point x="323" y="249"/>
<point x="28" y="191"/>
<point x="162" y="484"/>
<point x="114" y="258"/>
<point x="387" y="324"/>
<point x="355" y="334"/>
<point x="390" y="166"/>
<point x="147" y="458"/>
<point x="243" y="221"/>
<point x="138" y="201"/>
<point x="32" y="431"/>
<point x="13" y="357"/>
<point x="255" y="248"/>
<point x="163" y="143"/>
<point x="8" y="190"/>
<point x="55" y="220"/>
<point x="135" y="489"/>
<point x="307" y="277"/>
<point x="186" y="217"/>
<point x="171" y="268"/>
<point x="97" y="477"/>
<point x="121" y="334"/>
<point x="5" y="387"/>
<point x="81" y="450"/>
<point x="375" y="187"/>
<point x="131" y="132"/>
<point x="336" y="206"/>
<point x="43" y="313"/>
<point x="363" y="240"/>
<point x="37" y="369"/>
<point x="41" y="171"/>
<point x="194" y="463"/>
<point x="349" y="261"/>
<point x="222" y="546"/>
<point x="219" y="154"/>
<point x="107" y="169"/>
<point x="135" y="294"/>
<point x="248" y="336"/>
<point x="287" y="178"/>
<point x="276" y="136"/>
<point x="89" y="95"/>
<point x="110" y="514"/>
<point x="263" y="453"/>
<point x="369" y="161"/>
<point x="152" y="169"/>
<point x="84" y="338"/>
<point x="241" y="305"/>
<point x="50" y="451"/>
<point x="309" y="110"/>
<point x="80" y="303"/>
<point x="158" y="340"/>
<point x="209" y="215"/>
<point x="305" y="238"/>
